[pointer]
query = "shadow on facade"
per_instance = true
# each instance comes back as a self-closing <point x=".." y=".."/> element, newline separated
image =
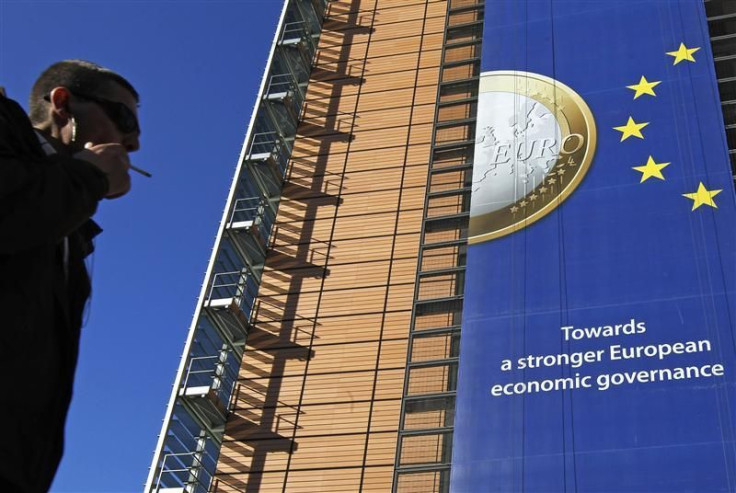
<point x="262" y="431"/>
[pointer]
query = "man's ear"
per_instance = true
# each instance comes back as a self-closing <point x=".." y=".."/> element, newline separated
<point x="59" y="97"/>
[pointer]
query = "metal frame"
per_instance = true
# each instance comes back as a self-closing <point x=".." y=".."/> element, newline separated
<point x="729" y="117"/>
<point x="453" y="302"/>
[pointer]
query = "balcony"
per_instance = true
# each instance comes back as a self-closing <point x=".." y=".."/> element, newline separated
<point x="183" y="473"/>
<point x="284" y="100"/>
<point x="266" y="160"/>
<point x="207" y="388"/>
<point x="249" y="228"/>
<point x="228" y="305"/>
<point x="297" y="36"/>
<point x="189" y="457"/>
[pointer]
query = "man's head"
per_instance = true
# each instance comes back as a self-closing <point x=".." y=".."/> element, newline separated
<point x="79" y="102"/>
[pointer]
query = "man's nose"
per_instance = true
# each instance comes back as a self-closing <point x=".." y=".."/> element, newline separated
<point x="131" y="142"/>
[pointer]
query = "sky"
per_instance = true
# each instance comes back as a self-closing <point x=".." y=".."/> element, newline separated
<point x="197" y="66"/>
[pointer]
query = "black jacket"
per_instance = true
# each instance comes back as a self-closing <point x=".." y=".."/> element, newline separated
<point x="43" y="199"/>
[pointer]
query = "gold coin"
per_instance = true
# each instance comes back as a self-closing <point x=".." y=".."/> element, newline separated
<point x="535" y="140"/>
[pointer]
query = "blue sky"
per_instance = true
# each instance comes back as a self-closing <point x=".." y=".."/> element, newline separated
<point x="197" y="66"/>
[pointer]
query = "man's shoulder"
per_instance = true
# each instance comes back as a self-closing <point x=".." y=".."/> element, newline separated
<point x="16" y="130"/>
<point x="11" y="109"/>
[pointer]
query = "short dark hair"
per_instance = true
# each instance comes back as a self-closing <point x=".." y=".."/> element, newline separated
<point x="76" y="75"/>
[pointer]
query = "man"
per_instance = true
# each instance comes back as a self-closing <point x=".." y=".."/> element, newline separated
<point x="51" y="179"/>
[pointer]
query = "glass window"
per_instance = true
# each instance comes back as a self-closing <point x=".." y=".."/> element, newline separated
<point x="724" y="46"/>
<point x="719" y="7"/>
<point x="726" y="68"/>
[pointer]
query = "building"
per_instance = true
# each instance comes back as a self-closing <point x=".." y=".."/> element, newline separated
<point x="323" y="354"/>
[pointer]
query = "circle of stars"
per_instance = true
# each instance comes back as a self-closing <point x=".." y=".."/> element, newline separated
<point x="632" y="128"/>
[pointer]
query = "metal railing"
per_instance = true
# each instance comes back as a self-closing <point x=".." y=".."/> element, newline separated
<point x="241" y="287"/>
<point x="238" y="285"/>
<point x="246" y="209"/>
<point x="185" y="470"/>
<point x="285" y="102"/>
<point x="265" y="143"/>
<point x="214" y="372"/>
<point x="294" y="30"/>
<point x="281" y="83"/>
<point x="256" y="210"/>
<point x="286" y="87"/>
<point x="274" y="145"/>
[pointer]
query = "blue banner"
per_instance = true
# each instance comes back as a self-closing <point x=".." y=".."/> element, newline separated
<point x="598" y="348"/>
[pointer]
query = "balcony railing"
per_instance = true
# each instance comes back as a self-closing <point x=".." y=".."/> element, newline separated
<point x="239" y="288"/>
<point x="252" y="211"/>
<point x="245" y="210"/>
<point x="184" y="472"/>
<point x="216" y="374"/>
<point x="294" y="32"/>
<point x="281" y="84"/>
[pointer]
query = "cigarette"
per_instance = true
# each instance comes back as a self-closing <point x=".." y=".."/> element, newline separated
<point x="134" y="168"/>
<point x="141" y="171"/>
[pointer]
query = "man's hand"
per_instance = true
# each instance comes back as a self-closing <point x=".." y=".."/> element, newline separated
<point x="113" y="160"/>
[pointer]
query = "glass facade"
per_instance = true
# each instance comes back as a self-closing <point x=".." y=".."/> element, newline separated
<point x="191" y="438"/>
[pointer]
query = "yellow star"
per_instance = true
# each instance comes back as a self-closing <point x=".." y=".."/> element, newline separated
<point x="683" y="53"/>
<point x="651" y="169"/>
<point x="631" y="128"/>
<point x="702" y="197"/>
<point x="644" y="87"/>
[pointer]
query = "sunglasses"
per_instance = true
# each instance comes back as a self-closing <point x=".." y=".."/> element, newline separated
<point x="122" y="116"/>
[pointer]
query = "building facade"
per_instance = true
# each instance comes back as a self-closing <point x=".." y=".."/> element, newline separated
<point x="323" y="354"/>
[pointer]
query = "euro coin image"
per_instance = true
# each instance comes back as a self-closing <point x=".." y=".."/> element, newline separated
<point x="535" y="140"/>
